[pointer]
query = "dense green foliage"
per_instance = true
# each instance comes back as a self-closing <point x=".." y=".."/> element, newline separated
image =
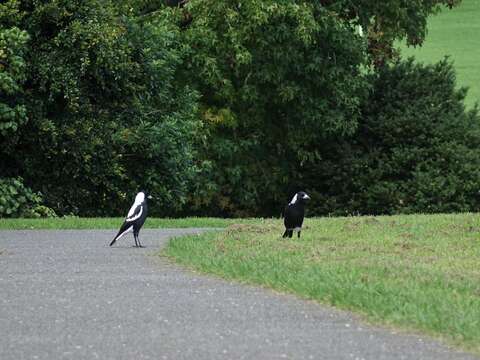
<point x="227" y="107"/>
<point x="416" y="149"/>
<point x="275" y="126"/>
<point x="276" y="79"/>
<point x="104" y="113"/>
<point x="13" y="69"/>
<point x="16" y="200"/>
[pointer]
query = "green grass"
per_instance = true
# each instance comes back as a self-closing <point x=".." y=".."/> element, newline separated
<point x="455" y="33"/>
<point x="112" y="223"/>
<point x="419" y="272"/>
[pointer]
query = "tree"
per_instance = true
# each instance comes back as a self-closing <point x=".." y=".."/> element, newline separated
<point x="275" y="78"/>
<point x="416" y="149"/>
<point x="227" y="105"/>
<point x="15" y="198"/>
<point x="105" y="116"/>
<point x="385" y="22"/>
<point x="12" y="75"/>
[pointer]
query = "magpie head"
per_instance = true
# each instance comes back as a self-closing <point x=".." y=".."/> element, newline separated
<point x="303" y="196"/>
<point x="145" y="195"/>
<point x="300" y="197"/>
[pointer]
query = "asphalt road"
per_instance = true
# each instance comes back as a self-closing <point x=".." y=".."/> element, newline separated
<point x="67" y="295"/>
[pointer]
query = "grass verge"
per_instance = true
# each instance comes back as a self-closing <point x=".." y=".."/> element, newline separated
<point x="418" y="272"/>
<point x="112" y="223"/>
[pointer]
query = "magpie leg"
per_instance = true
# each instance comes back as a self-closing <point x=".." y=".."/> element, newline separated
<point x="135" y="237"/>
<point x="285" y="234"/>
<point x="299" y="234"/>
<point x="139" y="245"/>
<point x="290" y="233"/>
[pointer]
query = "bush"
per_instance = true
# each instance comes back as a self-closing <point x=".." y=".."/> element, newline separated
<point x="17" y="200"/>
<point x="106" y="117"/>
<point x="416" y="149"/>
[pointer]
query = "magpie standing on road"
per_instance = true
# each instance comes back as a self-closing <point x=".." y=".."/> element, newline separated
<point x="135" y="219"/>
<point x="294" y="214"/>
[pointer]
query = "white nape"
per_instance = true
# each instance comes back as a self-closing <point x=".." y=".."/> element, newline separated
<point x="138" y="200"/>
<point x="294" y="200"/>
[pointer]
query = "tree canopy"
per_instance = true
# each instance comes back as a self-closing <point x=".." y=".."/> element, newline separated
<point x="214" y="107"/>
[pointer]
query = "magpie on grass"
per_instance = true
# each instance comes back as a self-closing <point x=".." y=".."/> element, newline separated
<point x="294" y="214"/>
<point x="135" y="219"/>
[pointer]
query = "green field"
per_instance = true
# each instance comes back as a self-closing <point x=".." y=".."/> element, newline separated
<point x="455" y="33"/>
<point x="416" y="272"/>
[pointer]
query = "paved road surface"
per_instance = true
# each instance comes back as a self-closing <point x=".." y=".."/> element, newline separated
<point x="67" y="295"/>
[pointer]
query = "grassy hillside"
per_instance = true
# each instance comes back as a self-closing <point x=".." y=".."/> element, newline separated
<point x="416" y="272"/>
<point x="455" y="33"/>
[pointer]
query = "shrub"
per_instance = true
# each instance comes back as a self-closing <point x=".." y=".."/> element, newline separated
<point x="17" y="200"/>
<point x="416" y="149"/>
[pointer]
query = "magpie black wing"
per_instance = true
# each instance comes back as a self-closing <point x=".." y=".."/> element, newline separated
<point x="129" y="220"/>
<point x="287" y="214"/>
<point x="293" y="217"/>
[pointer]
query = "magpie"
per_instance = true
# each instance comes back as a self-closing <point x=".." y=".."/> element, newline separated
<point x="135" y="219"/>
<point x="294" y="214"/>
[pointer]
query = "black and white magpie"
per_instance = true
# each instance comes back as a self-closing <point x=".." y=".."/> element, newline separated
<point x="294" y="214"/>
<point x="135" y="219"/>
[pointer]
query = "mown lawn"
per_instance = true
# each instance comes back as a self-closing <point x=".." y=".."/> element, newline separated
<point x="418" y="272"/>
<point x="455" y="33"/>
<point x="113" y="223"/>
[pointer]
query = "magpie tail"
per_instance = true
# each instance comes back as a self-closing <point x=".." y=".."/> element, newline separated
<point x="116" y="238"/>
<point x="119" y="235"/>
<point x="125" y="228"/>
